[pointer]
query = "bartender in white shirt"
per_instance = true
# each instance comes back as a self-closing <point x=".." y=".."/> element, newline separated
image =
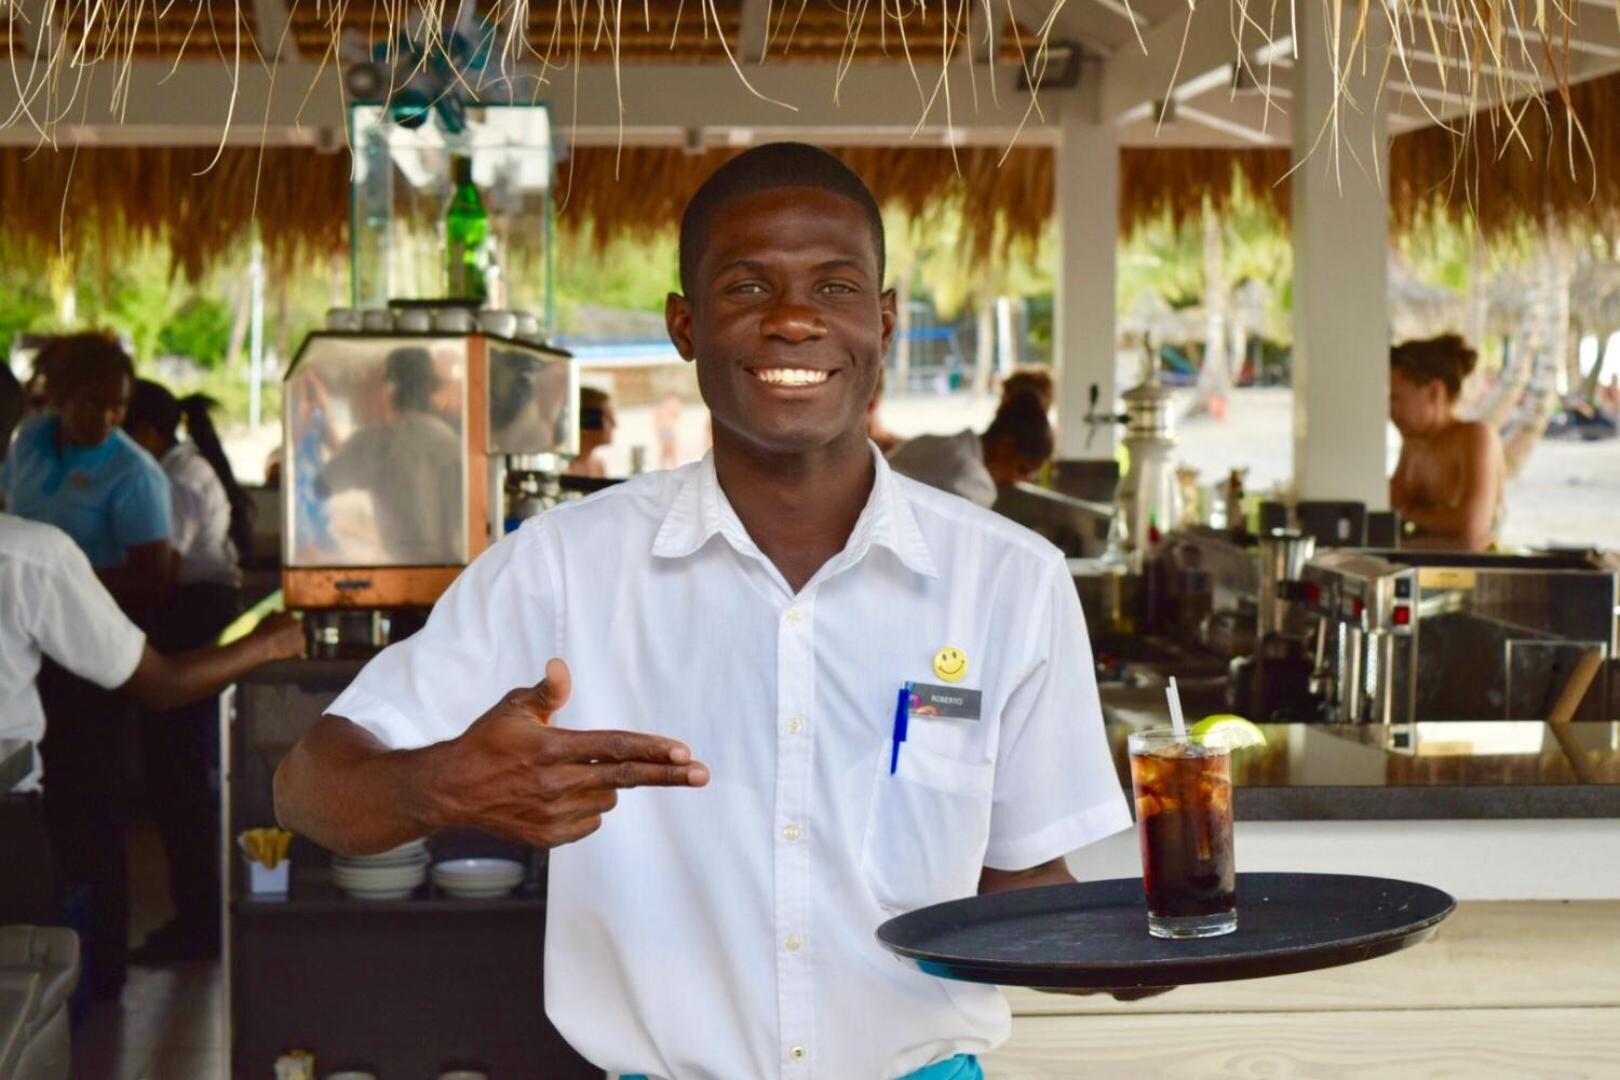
<point x="761" y="611"/>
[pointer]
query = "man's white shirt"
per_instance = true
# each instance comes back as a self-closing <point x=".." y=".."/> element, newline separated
<point x="52" y="603"/>
<point x="728" y="931"/>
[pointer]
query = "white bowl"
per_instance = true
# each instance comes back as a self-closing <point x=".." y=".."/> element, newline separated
<point x="497" y="892"/>
<point x="478" y="879"/>
<point x="478" y="871"/>
<point x="378" y="875"/>
<point x="382" y="864"/>
<point x="412" y="852"/>
<point x="379" y="882"/>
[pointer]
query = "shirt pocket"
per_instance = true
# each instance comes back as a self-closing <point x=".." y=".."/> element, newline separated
<point x="928" y="828"/>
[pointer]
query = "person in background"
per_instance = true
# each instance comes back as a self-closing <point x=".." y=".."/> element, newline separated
<point x="180" y="749"/>
<point x="1012" y="449"/>
<point x="74" y="468"/>
<point x="886" y="440"/>
<point x="409" y="463"/>
<point x="1448" y="483"/>
<point x="1030" y="380"/>
<point x="56" y="610"/>
<point x="667" y="426"/>
<point x="598" y="419"/>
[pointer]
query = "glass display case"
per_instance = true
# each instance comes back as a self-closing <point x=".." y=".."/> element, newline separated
<point x="394" y="452"/>
<point x="401" y="186"/>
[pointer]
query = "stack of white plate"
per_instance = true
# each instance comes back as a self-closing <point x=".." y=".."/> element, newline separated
<point x="477" y="879"/>
<point x="388" y="875"/>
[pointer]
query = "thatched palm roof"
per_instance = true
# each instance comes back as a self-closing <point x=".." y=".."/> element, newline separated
<point x="301" y="193"/>
<point x="105" y="198"/>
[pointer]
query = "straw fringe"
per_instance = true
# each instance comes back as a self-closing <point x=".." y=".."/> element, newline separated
<point x="138" y="193"/>
<point x="1003" y="208"/>
<point x="61" y="203"/>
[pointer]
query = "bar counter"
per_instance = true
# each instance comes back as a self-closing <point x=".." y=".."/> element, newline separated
<point x="1446" y="770"/>
<point x="1493" y="809"/>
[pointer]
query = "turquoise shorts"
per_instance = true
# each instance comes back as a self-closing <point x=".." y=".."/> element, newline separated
<point x="960" y="1067"/>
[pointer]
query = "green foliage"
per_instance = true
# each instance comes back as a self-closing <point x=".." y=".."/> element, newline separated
<point x="633" y="274"/>
<point x="200" y="331"/>
<point x="1161" y="258"/>
<point x="135" y="296"/>
<point x="25" y="305"/>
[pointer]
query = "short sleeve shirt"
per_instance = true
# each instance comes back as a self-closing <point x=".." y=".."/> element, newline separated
<point x="728" y="931"/>
<point x="56" y="606"/>
<point x="108" y="498"/>
<point x="202" y="519"/>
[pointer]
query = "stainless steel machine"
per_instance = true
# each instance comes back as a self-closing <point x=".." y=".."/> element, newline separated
<point x="1403" y="636"/>
<point x="404" y="457"/>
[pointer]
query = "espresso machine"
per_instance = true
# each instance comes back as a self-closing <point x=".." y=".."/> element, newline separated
<point x="405" y="455"/>
<point x="1274" y="682"/>
<point x="1403" y="636"/>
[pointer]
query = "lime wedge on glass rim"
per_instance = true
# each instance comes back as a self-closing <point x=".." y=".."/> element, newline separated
<point x="1229" y="731"/>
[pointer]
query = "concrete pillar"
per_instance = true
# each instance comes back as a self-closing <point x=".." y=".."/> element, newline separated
<point x="1086" y="189"/>
<point x="1341" y="265"/>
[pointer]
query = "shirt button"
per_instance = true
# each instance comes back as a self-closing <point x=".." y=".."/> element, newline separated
<point x="795" y="725"/>
<point x="793" y="942"/>
<point x="798" y="1053"/>
<point x="794" y="615"/>
<point x="791" y="832"/>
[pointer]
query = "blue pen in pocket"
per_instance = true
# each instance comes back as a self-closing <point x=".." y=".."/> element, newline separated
<point x="902" y="710"/>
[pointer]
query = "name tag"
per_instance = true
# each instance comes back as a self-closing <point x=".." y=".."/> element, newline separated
<point x="946" y="702"/>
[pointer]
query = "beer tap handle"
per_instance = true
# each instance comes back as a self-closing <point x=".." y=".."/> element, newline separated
<point x="1091" y="415"/>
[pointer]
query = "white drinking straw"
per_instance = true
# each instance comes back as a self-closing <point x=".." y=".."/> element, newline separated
<point x="1177" y="721"/>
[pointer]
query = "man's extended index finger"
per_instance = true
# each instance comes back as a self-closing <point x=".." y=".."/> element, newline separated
<point x="591" y="746"/>
<point x="630" y="774"/>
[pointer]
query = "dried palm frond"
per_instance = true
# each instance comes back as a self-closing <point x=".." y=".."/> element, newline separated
<point x="59" y="202"/>
<point x="1505" y="178"/>
<point x="61" y="199"/>
<point x="1494" y="55"/>
<point x="642" y="190"/>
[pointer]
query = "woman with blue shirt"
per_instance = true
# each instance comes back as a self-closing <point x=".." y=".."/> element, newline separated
<point x="74" y="468"/>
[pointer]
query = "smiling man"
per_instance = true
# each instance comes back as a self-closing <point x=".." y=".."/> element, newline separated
<point x="764" y="610"/>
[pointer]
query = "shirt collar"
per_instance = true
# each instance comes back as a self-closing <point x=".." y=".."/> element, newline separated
<point x="700" y="510"/>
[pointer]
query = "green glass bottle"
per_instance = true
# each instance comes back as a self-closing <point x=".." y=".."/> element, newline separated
<point x="466" y="237"/>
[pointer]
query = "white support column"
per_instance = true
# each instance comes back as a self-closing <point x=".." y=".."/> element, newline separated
<point x="1341" y="267"/>
<point x="1086" y="189"/>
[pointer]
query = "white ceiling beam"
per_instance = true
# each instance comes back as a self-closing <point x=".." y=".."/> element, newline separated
<point x="876" y="101"/>
<point x="1462" y="63"/>
<point x="1434" y="93"/>
<point x="1253" y="136"/>
<point x="1124" y="11"/>
<point x="1592" y="35"/>
<point x="1132" y="77"/>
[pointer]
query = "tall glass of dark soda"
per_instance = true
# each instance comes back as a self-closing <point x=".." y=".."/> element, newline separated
<point x="1184" y="819"/>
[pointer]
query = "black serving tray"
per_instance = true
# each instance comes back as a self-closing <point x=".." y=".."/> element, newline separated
<point x="1095" y="935"/>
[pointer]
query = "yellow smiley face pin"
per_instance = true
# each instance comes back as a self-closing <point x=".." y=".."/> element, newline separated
<point x="950" y="663"/>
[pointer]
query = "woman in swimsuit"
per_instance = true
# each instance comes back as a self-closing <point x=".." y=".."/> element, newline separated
<point x="1448" y="484"/>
